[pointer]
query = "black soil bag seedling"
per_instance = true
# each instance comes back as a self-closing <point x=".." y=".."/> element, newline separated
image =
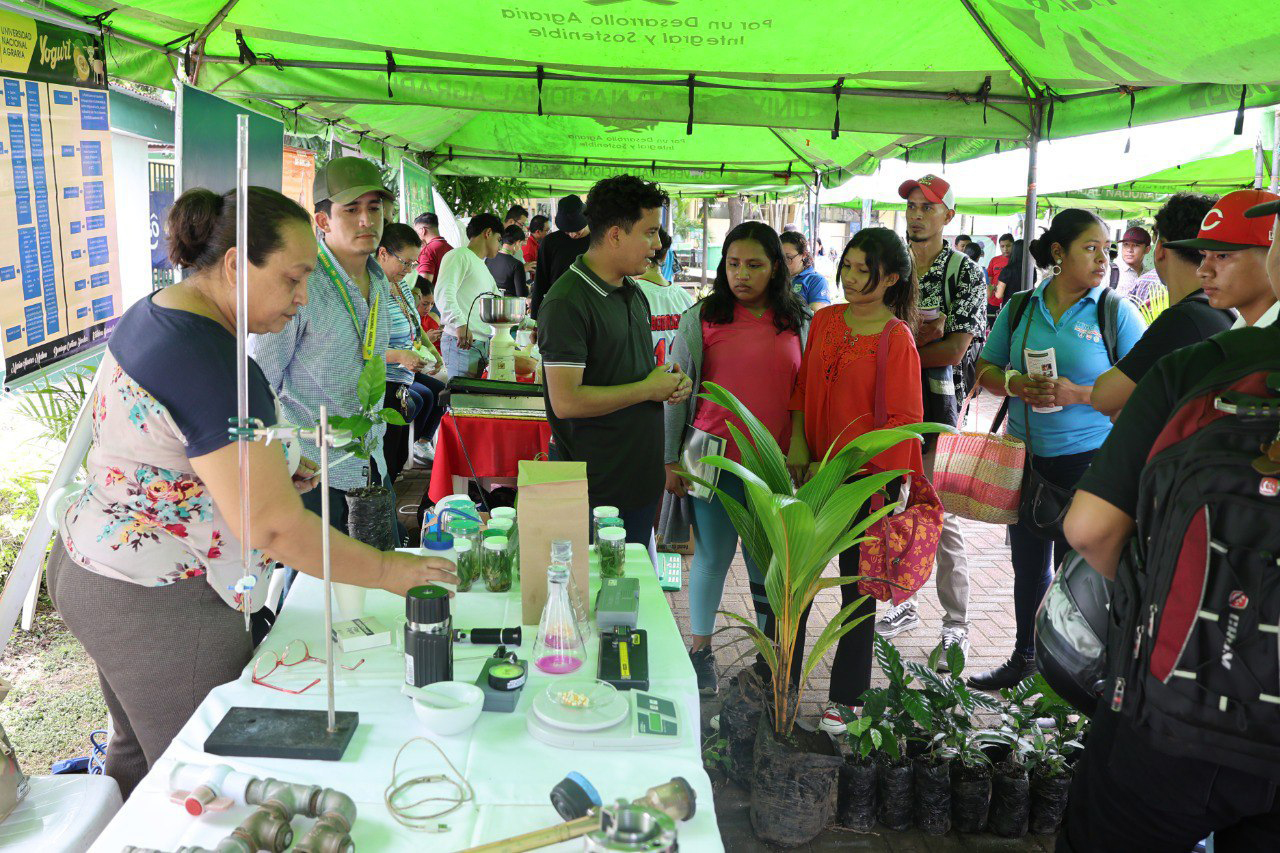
<point x="739" y="719"/>
<point x="1048" y="802"/>
<point x="970" y="797"/>
<point x="894" y="795"/>
<point x="793" y="794"/>
<point x="371" y="518"/>
<point x="857" y="795"/>
<point x="1010" y="802"/>
<point x="933" y="795"/>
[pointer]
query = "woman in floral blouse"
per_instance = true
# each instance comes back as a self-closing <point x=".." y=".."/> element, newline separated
<point x="149" y="579"/>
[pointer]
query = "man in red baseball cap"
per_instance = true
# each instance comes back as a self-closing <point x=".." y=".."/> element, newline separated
<point x="952" y="305"/>
<point x="1134" y="246"/>
<point x="1138" y="786"/>
<point x="1233" y="249"/>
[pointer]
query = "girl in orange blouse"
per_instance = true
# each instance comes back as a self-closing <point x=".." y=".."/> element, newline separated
<point x="834" y="403"/>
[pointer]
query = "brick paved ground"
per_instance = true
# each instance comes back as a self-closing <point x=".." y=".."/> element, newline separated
<point x="991" y="637"/>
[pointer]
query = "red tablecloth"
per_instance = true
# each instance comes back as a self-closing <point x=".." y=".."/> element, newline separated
<point x="495" y="446"/>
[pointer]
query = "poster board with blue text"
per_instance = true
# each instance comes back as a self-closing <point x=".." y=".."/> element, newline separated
<point x="59" y="264"/>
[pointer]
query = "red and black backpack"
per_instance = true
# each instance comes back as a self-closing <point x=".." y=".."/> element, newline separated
<point x="1194" y="640"/>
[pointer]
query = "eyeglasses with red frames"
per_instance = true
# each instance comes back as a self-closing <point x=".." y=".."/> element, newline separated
<point x="293" y="654"/>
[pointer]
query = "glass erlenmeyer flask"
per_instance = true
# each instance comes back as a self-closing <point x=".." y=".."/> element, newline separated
<point x="560" y="648"/>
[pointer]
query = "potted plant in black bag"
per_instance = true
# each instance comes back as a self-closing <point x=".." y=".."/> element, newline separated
<point x="796" y="533"/>
<point x="908" y="715"/>
<point x="868" y="739"/>
<point x="1051" y="773"/>
<point x="371" y="511"/>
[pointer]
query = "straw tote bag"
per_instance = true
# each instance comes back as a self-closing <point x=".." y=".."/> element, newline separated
<point x="897" y="557"/>
<point x="978" y="475"/>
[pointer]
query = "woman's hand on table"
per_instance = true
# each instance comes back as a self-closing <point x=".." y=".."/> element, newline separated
<point x="306" y="477"/>
<point x="676" y="484"/>
<point x="402" y="572"/>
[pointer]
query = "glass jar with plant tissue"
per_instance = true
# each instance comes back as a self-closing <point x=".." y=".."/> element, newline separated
<point x="612" y="550"/>
<point x="496" y="565"/>
<point x="468" y="563"/>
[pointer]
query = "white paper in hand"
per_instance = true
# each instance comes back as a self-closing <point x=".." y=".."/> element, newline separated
<point x="1042" y="363"/>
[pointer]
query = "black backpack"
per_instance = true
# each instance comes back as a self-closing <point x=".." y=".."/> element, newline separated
<point x="1194" y="644"/>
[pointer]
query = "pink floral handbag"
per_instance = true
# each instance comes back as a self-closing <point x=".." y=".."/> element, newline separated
<point x="897" y="557"/>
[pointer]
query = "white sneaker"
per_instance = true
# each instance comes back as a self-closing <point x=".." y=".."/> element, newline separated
<point x="953" y="636"/>
<point x="423" y="452"/>
<point x="833" y="721"/>
<point x="899" y="618"/>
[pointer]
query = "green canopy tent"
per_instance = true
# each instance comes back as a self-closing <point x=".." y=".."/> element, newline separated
<point x="912" y="72"/>
<point x="929" y="80"/>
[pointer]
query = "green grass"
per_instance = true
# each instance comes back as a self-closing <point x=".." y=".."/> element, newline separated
<point x="55" y="702"/>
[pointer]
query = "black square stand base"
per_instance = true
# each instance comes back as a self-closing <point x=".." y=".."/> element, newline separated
<point x="282" y="733"/>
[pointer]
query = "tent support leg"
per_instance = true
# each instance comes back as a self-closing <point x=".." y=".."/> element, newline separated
<point x="1275" y="156"/>
<point x="706" y="256"/>
<point x="1029" y="217"/>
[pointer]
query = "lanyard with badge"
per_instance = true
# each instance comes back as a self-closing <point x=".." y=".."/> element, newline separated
<point x="370" y="331"/>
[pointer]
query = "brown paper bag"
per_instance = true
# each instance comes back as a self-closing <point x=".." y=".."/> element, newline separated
<point x="552" y="505"/>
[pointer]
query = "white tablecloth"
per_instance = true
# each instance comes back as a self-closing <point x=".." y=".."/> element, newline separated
<point x="512" y="773"/>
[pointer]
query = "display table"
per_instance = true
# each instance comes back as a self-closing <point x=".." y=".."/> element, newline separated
<point x="496" y="446"/>
<point x="511" y="772"/>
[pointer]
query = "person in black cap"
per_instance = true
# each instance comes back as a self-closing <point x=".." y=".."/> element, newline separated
<point x="560" y="248"/>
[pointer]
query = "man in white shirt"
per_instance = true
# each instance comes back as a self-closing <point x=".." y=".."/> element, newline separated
<point x="463" y="279"/>
<point x="667" y="301"/>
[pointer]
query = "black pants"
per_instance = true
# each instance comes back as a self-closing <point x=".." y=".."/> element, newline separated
<point x="395" y="444"/>
<point x="1129" y="797"/>
<point x="851" y="669"/>
<point x="1036" y="559"/>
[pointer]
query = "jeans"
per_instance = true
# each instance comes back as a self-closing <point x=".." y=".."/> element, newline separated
<point x="428" y="420"/>
<point x="464" y="362"/>
<point x="396" y="442"/>
<point x="1034" y="559"/>
<point x="1129" y="797"/>
<point x="715" y="542"/>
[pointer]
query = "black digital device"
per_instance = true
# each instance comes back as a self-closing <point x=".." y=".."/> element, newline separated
<point x="624" y="658"/>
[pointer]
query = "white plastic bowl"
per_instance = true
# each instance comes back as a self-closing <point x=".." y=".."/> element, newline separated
<point x="448" y="707"/>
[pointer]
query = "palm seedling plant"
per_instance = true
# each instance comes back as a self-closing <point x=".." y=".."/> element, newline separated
<point x="796" y="532"/>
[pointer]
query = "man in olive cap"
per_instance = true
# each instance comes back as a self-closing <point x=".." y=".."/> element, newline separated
<point x="318" y="358"/>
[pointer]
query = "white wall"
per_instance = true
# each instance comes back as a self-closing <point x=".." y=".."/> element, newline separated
<point x="133" y="215"/>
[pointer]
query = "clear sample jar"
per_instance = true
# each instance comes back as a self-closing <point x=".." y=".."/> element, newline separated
<point x="496" y="565"/>
<point x="502" y="525"/>
<point x="465" y="528"/>
<point x="612" y="549"/>
<point x="599" y="513"/>
<point x="468" y="563"/>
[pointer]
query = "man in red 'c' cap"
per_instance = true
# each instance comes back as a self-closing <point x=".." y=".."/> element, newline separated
<point x="1233" y="249"/>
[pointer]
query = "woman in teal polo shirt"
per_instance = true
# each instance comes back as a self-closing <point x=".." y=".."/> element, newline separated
<point x="1062" y="314"/>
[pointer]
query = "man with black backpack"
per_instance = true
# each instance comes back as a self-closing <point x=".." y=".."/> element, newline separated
<point x="954" y="324"/>
<point x="1182" y="508"/>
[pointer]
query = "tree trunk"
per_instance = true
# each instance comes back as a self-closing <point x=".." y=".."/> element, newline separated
<point x="735" y="211"/>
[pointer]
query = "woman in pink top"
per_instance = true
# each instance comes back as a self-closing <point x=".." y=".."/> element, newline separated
<point x="747" y="337"/>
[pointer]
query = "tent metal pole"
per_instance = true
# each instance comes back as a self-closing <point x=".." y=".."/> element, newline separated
<point x="1029" y="215"/>
<point x="866" y="212"/>
<point x="1275" y="155"/>
<point x="706" y="206"/>
<point x="1259" y="163"/>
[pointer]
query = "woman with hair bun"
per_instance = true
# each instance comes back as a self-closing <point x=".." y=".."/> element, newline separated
<point x="1054" y="417"/>
<point x="146" y="573"/>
